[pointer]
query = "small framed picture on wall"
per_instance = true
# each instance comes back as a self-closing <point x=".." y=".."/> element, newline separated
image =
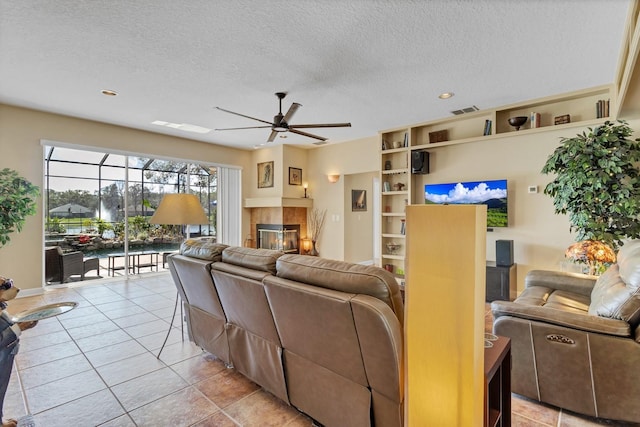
<point x="295" y="176"/>
<point x="265" y="174"/>
<point x="358" y="200"/>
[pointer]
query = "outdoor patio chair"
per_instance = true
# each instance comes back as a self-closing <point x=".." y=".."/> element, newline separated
<point x="60" y="266"/>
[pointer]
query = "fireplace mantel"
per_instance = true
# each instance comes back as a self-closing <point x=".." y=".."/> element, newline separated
<point x="277" y="202"/>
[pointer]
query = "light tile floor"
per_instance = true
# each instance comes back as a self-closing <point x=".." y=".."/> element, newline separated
<point x="97" y="365"/>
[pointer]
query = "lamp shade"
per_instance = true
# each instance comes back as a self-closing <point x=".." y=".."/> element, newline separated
<point x="179" y="209"/>
<point x="591" y="252"/>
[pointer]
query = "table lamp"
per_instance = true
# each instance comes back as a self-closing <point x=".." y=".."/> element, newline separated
<point x="593" y="253"/>
<point x="179" y="209"/>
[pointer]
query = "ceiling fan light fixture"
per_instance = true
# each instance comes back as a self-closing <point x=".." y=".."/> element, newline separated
<point x="279" y="125"/>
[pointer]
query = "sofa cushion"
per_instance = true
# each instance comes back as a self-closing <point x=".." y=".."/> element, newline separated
<point x="558" y="299"/>
<point x="201" y="249"/>
<point x="616" y="293"/>
<point x="256" y="259"/>
<point x="343" y="276"/>
<point x="629" y="263"/>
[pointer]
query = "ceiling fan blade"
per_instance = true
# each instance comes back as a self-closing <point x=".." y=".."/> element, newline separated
<point x="292" y="110"/>
<point x="242" y="115"/>
<point x="272" y="136"/>
<point x="322" y="125"/>
<point x="249" y="127"/>
<point x="310" y="135"/>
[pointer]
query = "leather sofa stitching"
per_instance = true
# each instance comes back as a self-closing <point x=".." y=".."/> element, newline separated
<point x="535" y="362"/>
<point x="593" y="385"/>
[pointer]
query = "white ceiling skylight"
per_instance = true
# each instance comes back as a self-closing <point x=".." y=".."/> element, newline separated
<point x="182" y="126"/>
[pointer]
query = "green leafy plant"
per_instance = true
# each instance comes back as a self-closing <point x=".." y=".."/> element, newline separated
<point x="17" y="201"/>
<point x="139" y="225"/>
<point x="54" y="225"/>
<point x="102" y="225"/>
<point x="597" y="183"/>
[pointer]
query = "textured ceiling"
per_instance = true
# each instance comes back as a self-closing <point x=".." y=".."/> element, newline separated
<point x="375" y="63"/>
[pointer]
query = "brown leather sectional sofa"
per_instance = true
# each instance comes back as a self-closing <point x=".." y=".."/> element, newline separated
<point x="576" y="340"/>
<point x="324" y="336"/>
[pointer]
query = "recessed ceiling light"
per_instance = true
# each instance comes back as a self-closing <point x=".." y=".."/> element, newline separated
<point x="283" y="136"/>
<point x="109" y="92"/>
<point x="445" y="95"/>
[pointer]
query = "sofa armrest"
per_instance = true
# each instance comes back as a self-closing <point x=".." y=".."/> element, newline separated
<point x="584" y="322"/>
<point x="561" y="280"/>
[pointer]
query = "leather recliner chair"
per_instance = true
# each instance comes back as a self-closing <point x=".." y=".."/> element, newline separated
<point x="575" y="339"/>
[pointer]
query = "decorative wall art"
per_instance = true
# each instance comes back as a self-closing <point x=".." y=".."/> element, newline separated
<point x="358" y="200"/>
<point x="295" y="176"/>
<point x="265" y="174"/>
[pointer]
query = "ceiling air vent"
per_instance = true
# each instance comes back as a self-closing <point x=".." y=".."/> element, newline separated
<point x="465" y="110"/>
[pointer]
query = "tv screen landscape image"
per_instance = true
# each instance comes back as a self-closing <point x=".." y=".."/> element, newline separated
<point x="490" y="193"/>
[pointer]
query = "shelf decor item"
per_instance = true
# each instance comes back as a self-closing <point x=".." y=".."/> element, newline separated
<point x="487" y="128"/>
<point x="439" y="136"/>
<point x="534" y="120"/>
<point x="560" y="120"/>
<point x="597" y="183"/>
<point x="517" y="121"/>
<point x="393" y="247"/>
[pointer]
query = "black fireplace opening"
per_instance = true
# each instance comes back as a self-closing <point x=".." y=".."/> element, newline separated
<point x="280" y="237"/>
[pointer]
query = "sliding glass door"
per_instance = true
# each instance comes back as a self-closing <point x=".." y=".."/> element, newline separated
<point x="98" y="205"/>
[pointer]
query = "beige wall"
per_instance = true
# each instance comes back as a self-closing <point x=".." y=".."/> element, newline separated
<point x="358" y="245"/>
<point x="21" y="132"/>
<point x="354" y="157"/>
<point x="294" y="157"/>
<point x="540" y="237"/>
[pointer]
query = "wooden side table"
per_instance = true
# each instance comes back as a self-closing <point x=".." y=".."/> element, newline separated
<point x="497" y="382"/>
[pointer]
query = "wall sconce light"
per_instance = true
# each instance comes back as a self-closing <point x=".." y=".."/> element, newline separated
<point x="333" y="178"/>
<point x="306" y="245"/>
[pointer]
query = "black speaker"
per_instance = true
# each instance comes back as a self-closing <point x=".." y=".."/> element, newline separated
<point x="420" y="162"/>
<point x="504" y="253"/>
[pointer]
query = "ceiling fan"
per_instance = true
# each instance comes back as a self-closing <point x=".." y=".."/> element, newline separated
<point x="281" y="122"/>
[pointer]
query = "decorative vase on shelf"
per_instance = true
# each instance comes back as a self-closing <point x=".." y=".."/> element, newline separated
<point x="518" y="121"/>
<point x="313" y="251"/>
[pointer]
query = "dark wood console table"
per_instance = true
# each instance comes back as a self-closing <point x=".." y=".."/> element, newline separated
<point x="501" y="282"/>
<point x="497" y="381"/>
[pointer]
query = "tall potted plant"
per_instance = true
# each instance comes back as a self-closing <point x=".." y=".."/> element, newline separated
<point x="17" y="201"/>
<point x="597" y="183"/>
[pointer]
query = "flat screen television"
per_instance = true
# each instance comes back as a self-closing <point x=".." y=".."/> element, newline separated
<point x="490" y="193"/>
